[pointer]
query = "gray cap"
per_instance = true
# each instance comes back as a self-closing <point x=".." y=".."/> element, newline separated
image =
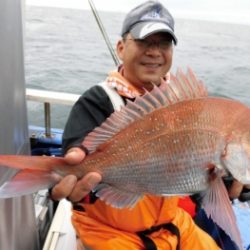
<point x="148" y="18"/>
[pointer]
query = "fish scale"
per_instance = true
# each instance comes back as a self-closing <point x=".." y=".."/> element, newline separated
<point x="125" y="159"/>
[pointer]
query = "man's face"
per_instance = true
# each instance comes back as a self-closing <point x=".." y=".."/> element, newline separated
<point x="146" y="61"/>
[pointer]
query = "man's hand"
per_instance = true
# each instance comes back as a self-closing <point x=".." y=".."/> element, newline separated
<point x="69" y="187"/>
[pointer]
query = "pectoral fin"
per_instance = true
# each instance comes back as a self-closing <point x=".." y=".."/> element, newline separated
<point x="217" y="205"/>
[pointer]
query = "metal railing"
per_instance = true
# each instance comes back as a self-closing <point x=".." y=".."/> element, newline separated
<point x="48" y="98"/>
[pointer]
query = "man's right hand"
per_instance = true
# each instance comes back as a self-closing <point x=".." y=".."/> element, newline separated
<point x="71" y="188"/>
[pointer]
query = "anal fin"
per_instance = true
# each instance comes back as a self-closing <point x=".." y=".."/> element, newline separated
<point x="116" y="197"/>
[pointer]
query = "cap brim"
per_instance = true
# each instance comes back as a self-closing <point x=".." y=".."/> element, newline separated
<point x="144" y="29"/>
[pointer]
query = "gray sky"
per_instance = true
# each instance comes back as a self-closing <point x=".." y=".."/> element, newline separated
<point x="235" y="11"/>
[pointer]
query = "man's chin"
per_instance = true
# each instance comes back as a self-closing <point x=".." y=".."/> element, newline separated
<point x="150" y="84"/>
<point x="153" y="80"/>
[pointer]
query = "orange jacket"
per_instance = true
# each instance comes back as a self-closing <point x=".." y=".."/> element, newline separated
<point x="101" y="226"/>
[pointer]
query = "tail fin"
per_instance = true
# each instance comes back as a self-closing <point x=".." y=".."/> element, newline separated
<point x="36" y="173"/>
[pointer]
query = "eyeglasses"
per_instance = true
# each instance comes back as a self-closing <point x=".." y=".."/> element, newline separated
<point x="145" y="44"/>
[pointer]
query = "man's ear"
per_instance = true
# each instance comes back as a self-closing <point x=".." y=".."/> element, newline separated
<point x="120" y="49"/>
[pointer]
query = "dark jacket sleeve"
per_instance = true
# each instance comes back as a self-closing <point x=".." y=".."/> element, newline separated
<point x="91" y="109"/>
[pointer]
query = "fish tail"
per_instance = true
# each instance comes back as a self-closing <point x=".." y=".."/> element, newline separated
<point x="218" y="207"/>
<point x="32" y="173"/>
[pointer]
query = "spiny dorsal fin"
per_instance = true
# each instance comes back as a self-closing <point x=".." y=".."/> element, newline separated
<point x="184" y="87"/>
<point x="181" y="87"/>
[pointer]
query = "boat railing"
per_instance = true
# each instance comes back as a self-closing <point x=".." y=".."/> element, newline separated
<point x="48" y="98"/>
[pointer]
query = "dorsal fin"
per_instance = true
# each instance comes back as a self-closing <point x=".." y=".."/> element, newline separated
<point x="181" y="87"/>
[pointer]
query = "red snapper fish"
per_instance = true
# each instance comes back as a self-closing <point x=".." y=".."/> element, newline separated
<point x="174" y="140"/>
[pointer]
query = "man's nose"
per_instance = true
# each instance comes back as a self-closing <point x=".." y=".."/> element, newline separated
<point x="153" y="48"/>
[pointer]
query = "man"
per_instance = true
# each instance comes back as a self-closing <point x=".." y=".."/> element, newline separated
<point x="146" y="50"/>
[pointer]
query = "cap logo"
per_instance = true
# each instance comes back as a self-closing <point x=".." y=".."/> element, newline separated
<point x="150" y="27"/>
<point x="155" y="14"/>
